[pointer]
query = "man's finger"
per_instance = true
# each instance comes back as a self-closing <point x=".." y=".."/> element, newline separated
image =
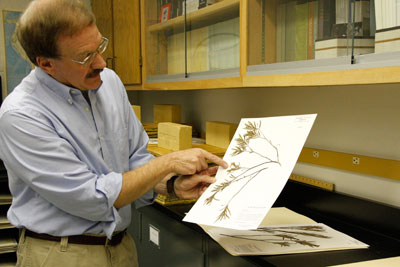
<point x="200" y="178"/>
<point x="205" y="179"/>
<point x="213" y="158"/>
<point x="209" y="171"/>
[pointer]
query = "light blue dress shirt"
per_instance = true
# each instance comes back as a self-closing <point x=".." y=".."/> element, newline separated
<point x="65" y="158"/>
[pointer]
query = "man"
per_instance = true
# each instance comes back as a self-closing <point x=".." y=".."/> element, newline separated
<point x="75" y="152"/>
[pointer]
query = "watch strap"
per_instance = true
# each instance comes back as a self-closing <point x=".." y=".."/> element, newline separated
<point x="171" y="186"/>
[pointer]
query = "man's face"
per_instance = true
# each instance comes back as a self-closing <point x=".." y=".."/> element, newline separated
<point x="78" y="47"/>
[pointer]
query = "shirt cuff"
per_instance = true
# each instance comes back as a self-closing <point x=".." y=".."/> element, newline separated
<point x="110" y="185"/>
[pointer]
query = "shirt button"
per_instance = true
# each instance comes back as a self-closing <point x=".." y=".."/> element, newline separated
<point x="101" y="138"/>
<point x="70" y="100"/>
<point x="87" y="109"/>
<point x="110" y="169"/>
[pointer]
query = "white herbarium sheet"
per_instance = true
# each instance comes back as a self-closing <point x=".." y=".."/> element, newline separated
<point x="283" y="239"/>
<point x="261" y="157"/>
<point x="282" y="231"/>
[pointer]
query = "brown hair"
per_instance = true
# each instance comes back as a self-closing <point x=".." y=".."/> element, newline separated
<point x="44" y="21"/>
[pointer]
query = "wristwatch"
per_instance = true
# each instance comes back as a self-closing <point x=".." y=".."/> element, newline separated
<point x="170" y="186"/>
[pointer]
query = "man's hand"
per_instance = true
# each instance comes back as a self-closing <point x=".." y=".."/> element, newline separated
<point x="155" y="173"/>
<point x="192" y="186"/>
<point x="192" y="161"/>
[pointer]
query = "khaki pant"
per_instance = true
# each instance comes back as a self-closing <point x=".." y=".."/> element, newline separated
<point x="33" y="252"/>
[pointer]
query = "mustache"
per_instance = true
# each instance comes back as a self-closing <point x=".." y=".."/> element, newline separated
<point x="94" y="73"/>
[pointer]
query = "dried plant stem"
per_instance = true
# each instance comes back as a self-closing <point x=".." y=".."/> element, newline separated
<point x="276" y="235"/>
<point x="243" y="145"/>
<point x="224" y="213"/>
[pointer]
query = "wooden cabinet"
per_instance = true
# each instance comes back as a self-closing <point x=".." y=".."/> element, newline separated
<point x="119" y="20"/>
<point x="326" y="43"/>
<point x="248" y="43"/>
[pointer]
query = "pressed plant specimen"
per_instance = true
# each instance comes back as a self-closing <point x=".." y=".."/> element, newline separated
<point x="252" y="142"/>
<point x="286" y="236"/>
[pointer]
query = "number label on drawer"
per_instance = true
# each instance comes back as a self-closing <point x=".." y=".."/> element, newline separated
<point x="154" y="235"/>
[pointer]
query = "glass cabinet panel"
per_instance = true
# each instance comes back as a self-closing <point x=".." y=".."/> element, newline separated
<point x="387" y="21"/>
<point x="191" y="36"/>
<point x="164" y="44"/>
<point x="214" y="40"/>
<point x="298" y="30"/>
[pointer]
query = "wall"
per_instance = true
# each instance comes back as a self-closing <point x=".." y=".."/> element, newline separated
<point x="13" y="5"/>
<point x="352" y="119"/>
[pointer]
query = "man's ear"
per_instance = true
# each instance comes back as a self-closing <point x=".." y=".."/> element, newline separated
<point x="46" y="64"/>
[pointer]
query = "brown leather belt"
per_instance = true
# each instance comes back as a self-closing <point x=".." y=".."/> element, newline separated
<point x="81" y="239"/>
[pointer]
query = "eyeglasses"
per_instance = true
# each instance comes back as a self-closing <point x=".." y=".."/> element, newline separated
<point x="91" y="56"/>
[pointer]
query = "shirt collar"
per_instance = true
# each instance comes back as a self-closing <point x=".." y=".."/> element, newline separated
<point x="58" y="88"/>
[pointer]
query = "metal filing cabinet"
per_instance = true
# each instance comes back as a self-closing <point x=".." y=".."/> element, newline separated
<point x="163" y="240"/>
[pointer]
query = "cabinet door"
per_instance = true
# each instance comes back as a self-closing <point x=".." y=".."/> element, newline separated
<point x="103" y="12"/>
<point x="127" y="40"/>
<point x="204" y="38"/>
<point x="299" y="30"/>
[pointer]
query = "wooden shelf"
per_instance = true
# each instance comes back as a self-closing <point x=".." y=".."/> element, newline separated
<point x="219" y="11"/>
<point x="234" y="82"/>
<point x="159" y="151"/>
<point x="379" y="75"/>
<point x="9" y="233"/>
